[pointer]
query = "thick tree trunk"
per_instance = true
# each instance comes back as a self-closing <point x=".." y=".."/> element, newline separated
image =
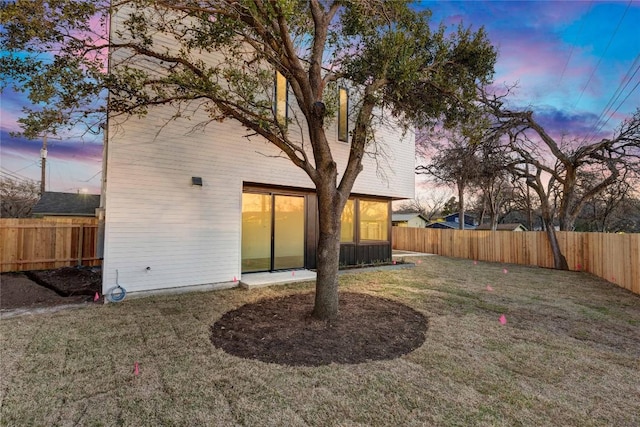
<point x="326" y="301"/>
<point x="494" y="221"/>
<point x="559" y="260"/>
<point x="328" y="254"/>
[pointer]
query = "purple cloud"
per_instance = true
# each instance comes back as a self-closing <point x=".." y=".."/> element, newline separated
<point x="570" y="125"/>
<point x="63" y="150"/>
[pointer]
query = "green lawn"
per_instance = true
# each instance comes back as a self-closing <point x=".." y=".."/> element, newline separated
<point x="568" y="355"/>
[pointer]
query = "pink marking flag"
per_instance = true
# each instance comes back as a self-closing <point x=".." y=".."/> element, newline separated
<point x="489" y="288"/>
<point x="293" y="273"/>
<point x="475" y="262"/>
<point x="419" y="261"/>
<point x="235" y="279"/>
<point x="394" y="262"/>
<point x="136" y="369"/>
<point x="96" y="297"/>
<point x="503" y="319"/>
<point x="505" y="271"/>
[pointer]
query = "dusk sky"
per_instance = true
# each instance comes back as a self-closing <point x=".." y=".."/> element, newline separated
<point x="577" y="64"/>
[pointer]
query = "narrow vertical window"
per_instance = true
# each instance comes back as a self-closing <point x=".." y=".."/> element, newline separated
<point x="281" y="97"/>
<point x="343" y="114"/>
<point x="347" y="220"/>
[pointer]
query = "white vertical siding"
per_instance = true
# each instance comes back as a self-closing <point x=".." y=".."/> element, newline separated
<point x="190" y="235"/>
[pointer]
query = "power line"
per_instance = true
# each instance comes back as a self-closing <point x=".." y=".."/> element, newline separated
<point x="621" y="103"/>
<point x="5" y="176"/>
<point x="624" y="83"/>
<point x="34" y="163"/>
<point x="87" y="180"/>
<point x="14" y="175"/>
<point x="566" y="64"/>
<point x="603" y="53"/>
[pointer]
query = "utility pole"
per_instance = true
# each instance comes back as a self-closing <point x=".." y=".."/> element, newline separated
<point x="43" y="158"/>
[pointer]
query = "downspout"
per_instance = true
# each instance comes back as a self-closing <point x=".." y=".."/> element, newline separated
<point x="101" y="211"/>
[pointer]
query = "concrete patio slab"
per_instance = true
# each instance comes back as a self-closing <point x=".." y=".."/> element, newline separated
<point x="397" y="253"/>
<point x="258" y="280"/>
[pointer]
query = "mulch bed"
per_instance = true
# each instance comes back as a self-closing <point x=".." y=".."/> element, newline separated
<point x="281" y="331"/>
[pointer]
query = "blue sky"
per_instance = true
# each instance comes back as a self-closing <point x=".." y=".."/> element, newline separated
<point x="570" y="59"/>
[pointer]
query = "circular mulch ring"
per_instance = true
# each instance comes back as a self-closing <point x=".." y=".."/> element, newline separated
<point x="280" y="330"/>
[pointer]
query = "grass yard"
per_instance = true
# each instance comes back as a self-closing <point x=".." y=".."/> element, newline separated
<point x="568" y="355"/>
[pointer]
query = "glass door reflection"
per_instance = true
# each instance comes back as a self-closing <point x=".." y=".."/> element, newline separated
<point x="256" y="232"/>
<point x="273" y="228"/>
<point x="288" y="232"/>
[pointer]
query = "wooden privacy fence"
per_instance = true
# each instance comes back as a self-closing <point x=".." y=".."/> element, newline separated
<point x="614" y="257"/>
<point x="37" y="244"/>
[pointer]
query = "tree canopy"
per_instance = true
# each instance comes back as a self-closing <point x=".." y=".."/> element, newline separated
<point x="223" y="54"/>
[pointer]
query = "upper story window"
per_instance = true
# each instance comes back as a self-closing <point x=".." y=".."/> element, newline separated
<point x="343" y="115"/>
<point x="280" y="97"/>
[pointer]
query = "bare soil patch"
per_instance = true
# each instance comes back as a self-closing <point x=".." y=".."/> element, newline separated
<point x="45" y="288"/>
<point x="280" y="330"/>
<point x="69" y="281"/>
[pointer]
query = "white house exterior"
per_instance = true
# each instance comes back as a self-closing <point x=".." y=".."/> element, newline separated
<point x="162" y="231"/>
<point x="412" y="220"/>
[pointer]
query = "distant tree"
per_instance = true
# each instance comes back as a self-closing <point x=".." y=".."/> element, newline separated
<point x="493" y="180"/>
<point x="17" y="197"/>
<point x="429" y="206"/>
<point x="613" y="210"/>
<point x="385" y="50"/>
<point x="552" y="167"/>
<point x="409" y="206"/>
<point x="454" y="160"/>
<point x="451" y="206"/>
<point x="492" y="198"/>
<point x="526" y="202"/>
<point x="626" y="217"/>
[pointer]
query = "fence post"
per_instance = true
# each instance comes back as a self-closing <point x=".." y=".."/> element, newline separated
<point x="80" y="244"/>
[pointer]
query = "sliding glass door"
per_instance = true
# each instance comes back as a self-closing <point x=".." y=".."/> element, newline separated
<point x="272" y="232"/>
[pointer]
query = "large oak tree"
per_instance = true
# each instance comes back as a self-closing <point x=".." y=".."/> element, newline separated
<point x="388" y="52"/>
<point x="556" y="167"/>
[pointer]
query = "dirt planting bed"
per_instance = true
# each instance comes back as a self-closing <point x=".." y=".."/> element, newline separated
<point x="43" y="288"/>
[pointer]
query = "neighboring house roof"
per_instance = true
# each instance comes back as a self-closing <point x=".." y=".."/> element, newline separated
<point x="455" y="217"/>
<point x="66" y="204"/>
<point x="402" y="217"/>
<point x="504" y="227"/>
<point x="449" y="224"/>
<point x="452" y="221"/>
